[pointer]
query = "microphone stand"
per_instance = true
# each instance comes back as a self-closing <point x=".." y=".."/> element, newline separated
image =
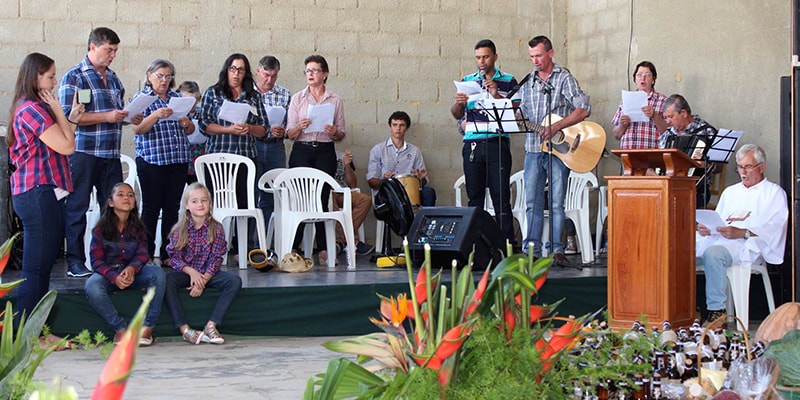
<point x="547" y="89"/>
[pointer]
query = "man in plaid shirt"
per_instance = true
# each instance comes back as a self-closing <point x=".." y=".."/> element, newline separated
<point x="95" y="163"/>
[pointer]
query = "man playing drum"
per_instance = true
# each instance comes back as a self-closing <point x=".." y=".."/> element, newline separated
<point x="402" y="160"/>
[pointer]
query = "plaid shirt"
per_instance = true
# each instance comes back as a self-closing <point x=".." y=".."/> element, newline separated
<point x="277" y="96"/>
<point x="641" y="135"/>
<point x="36" y="163"/>
<point x="225" y="143"/>
<point x="567" y="95"/>
<point x="204" y="257"/>
<point x="166" y="142"/>
<point x="108" y="256"/>
<point x="696" y="123"/>
<point x="103" y="139"/>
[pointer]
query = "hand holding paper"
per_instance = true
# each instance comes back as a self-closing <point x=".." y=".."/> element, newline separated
<point x="320" y="115"/>
<point x="235" y="113"/>
<point x="632" y="103"/>
<point x="180" y="107"/>
<point x="138" y="105"/>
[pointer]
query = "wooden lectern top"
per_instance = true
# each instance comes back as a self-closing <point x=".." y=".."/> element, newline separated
<point x="673" y="161"/>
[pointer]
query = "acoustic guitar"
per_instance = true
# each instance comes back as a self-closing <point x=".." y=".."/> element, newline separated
<point x="578" y="146"/>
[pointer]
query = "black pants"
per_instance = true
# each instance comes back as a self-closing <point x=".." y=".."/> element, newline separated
<point x="487" y="163"/>
<point x="162" y="188"/>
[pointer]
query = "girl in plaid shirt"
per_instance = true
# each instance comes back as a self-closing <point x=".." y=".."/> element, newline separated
<point x="196" y="249"/>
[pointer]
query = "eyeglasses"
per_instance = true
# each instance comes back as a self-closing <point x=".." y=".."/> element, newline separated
<point x="312" y="71"/>
<point x="748" y="167"/>
<point x="643" y="75"/>
<point x="163" y="77"/>
<point x="236" y="70"/>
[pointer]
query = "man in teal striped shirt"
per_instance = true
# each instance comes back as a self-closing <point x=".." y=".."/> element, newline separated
<point x="486" y="153"/>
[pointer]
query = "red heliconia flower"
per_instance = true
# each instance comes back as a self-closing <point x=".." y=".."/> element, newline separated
<point x="540" y="281"/>
<point x="445" y="374"/>
<point x="537" y="312"/>
<point x="510" y="322"/>
<point x="478" y="295"/>
<point x="452" y="341"/>
<point x="114" y="377"/>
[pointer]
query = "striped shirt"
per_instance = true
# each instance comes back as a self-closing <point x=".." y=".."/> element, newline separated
<point x="36" y="163"/>
<point x="205" y="258"/>
<point x="100" y="140"/>
<point x="478" y="120"/>
<point x="108" y="256"/>
<point x="166" y="142"/>
<point x="641" y="135"/>
<point x="567" y="95"/>
<point x="227" y="143"/>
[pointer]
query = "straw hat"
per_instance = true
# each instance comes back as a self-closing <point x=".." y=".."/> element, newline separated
<point x="292" y="262"/>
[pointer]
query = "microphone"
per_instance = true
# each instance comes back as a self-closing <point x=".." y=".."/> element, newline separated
<point x="483" y="78"/>
<point x="546" y="87"/>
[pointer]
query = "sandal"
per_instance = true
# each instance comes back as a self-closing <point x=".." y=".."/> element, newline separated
<point x="192" y="336"/>
<point x="323" y="260"/>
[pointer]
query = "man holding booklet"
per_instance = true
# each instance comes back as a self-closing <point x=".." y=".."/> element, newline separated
<point x="749" y="227"/>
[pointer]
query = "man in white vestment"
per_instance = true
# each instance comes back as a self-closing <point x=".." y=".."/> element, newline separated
<point x="756" y="215"/>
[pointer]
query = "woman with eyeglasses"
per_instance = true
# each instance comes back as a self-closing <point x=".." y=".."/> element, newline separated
<point x="315" y="148"/>
<point x="162" y="155"/>
<point x="642" y="134"/>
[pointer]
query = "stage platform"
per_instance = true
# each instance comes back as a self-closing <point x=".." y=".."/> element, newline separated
<point x="319" y="302"/>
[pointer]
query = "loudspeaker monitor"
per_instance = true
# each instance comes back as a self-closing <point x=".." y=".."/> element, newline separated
<point x="452" y="232"/>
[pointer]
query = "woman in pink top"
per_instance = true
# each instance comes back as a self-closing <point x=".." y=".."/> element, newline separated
<point x="314" y="147"/>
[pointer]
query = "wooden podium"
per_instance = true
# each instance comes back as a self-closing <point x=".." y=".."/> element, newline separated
<point x="651" y="225"/>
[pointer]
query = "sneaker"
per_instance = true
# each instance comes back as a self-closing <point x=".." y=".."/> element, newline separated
<point x="192" y="336"/>
<point x="364" y="248"/>
<point x="78" y="271"/>
<point x="570" y="247"/>
<point x="211" y="335"/>
<point x="713" y="315"/>
<point x="145" y="341"/>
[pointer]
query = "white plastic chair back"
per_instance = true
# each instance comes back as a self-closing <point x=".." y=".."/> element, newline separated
<point x="300" y="190"/>
<point x="517" y="185"/>
<point x="221" y="170"/>
<point x="461" y="184"/>
<point x="265" y="184"/>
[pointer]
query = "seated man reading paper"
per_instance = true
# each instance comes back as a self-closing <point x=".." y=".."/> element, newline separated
<point x="755" y="216"/>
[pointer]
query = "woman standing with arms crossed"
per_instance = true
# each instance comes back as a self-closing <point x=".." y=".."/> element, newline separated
<point x="315" y="149"/>
<point x="162" y="155"/>
<point x="40" y="140"/>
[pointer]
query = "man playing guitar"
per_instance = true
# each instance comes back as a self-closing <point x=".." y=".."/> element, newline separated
<point x="548" y="81"/>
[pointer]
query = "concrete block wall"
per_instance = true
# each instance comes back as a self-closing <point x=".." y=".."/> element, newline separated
<point x="726" y="57"/>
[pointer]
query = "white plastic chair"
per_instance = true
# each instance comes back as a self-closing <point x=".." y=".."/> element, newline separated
<point x="222" y="169"/>
<point x="576" y="208"/>
<point x="602" y="213"/>
<point x="300" y="191"/>
<point x="739" y="294"/>
<point x="517" y="184"/>
<point x="461" y="184"/>
<point x="265" y="184"/>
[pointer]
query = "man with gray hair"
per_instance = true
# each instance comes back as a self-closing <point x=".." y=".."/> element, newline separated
<point x="270" y="150"/>
<point x="756" y="213"/>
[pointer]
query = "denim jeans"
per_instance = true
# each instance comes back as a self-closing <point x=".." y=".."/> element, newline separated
<point x="162" y="188"/>
<point x="489" y="165"/>
<point x="268" y="156"/>
<point x="537" y="167"/>
<point x="99" y="289"/>
<point x="43" y="223"/>
<point x="716" y="260"/>
<point x="228" y="284"/>
<point x="87" y="172"/>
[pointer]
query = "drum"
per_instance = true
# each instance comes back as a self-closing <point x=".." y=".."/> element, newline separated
<point x="412" y="185"/>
